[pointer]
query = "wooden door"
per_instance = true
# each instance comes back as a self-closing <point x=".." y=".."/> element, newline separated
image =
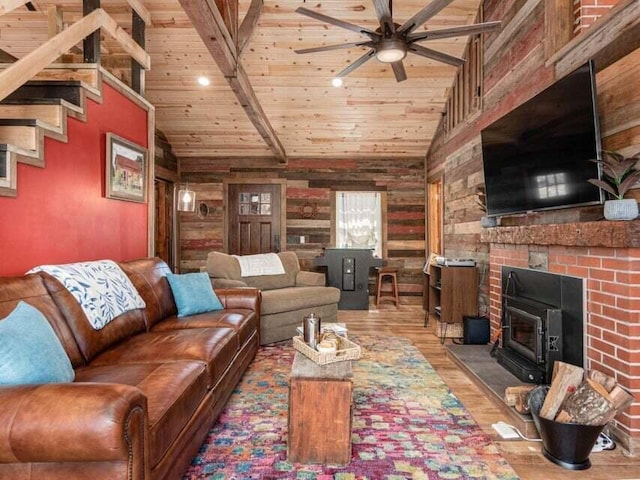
<point x="164" y="221"/>
<point x="254" y="218"/>
<point x="434" y="216"/>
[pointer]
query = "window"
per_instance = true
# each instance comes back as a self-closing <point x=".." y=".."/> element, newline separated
<point x="358" y="221"/>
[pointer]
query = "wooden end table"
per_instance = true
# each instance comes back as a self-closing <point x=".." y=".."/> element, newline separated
<point x="320" y="407"/>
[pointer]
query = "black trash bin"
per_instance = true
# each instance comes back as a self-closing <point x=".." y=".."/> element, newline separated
<point x="565" y="444"/>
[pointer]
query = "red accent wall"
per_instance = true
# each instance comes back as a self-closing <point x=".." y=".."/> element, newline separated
<point x="61" y="214"/>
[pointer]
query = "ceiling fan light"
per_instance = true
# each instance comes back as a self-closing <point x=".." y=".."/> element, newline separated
<point x="390" y="51"/>
<point x="336" y="82"/>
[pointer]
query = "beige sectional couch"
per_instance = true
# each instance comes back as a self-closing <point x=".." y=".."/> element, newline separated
<point x="286" y="298"/>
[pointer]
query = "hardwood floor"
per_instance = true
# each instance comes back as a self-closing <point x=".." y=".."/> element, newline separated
<point x="525" y="457"/>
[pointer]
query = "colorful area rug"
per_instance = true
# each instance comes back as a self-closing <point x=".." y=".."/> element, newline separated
<point x="407" y="424"/>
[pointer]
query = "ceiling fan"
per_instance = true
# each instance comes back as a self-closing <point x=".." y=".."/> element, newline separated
<point x="391" y="42"/>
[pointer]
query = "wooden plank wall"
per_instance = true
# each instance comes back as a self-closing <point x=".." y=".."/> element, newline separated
<point x="163" y="155"/>
<point x="310" y="182"/>
<point x="514" y="71"/>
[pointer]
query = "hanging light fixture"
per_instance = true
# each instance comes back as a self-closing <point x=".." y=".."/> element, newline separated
<point x="186" y="200"/>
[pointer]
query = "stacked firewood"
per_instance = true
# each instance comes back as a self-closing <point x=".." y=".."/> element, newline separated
<point x="592" y="399"/>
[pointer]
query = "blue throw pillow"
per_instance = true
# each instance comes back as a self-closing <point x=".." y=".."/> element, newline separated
<point x="30" y="351"/>
<point x="193" y="293"/>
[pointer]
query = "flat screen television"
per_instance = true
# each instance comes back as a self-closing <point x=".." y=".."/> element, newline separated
<point x="536" y="157"/>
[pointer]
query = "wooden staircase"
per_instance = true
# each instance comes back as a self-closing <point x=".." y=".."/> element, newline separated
<point x="38" y="109"/>
<point x="37" y="95"/>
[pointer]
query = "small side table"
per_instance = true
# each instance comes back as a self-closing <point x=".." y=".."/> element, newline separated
<point x="320" y="409"/>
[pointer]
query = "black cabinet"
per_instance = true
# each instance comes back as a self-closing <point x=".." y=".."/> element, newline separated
<point x="348" y="270"/>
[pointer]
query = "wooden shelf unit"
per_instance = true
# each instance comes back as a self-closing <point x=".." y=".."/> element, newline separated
<point x="452" y="293"/>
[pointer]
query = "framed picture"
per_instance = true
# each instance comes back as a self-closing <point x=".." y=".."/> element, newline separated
<point x="126" y="170"/>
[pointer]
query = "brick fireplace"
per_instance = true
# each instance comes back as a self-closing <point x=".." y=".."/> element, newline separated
<point x="607" y="255"/>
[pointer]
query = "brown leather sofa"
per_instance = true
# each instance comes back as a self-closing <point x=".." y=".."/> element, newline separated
<point x="147" y="387"/>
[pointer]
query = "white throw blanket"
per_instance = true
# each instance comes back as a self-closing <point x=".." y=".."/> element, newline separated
<point x="101" y="288"/>
<point x="262" y="264"/>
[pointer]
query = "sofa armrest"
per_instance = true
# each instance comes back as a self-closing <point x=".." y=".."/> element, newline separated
<point x="310" y="279"/>
<point x="74" y="422"/>
<point x="227" y="283"/>
<point x="247" y="298"/>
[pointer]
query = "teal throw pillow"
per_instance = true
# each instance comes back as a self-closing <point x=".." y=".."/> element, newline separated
<point x="30" y="351"/>
<point x="193" y="293"/>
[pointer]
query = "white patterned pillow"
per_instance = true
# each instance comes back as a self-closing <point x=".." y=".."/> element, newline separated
<point x="101" y="288"/>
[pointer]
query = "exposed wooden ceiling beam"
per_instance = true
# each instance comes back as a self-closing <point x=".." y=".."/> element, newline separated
<point x="249" y="23"/>
<point x="209" y="24"/>
<point x="229" y="11"/>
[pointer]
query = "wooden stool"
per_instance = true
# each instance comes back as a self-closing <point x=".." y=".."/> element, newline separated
<point x="390" y="273"/>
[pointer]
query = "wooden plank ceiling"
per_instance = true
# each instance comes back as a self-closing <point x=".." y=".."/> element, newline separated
<point x="370" y="116"/>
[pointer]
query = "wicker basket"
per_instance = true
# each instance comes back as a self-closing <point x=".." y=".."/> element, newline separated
<point x="347" y="350"/>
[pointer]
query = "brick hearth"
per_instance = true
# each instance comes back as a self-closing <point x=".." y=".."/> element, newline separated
<point x="607" y="255"/>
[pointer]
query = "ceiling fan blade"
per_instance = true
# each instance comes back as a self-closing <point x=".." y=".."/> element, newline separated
<point x="431" y="10"/>
<point x="435" y="55"/>
<point x="454" y="31"/>
<point x="383" y="12"/>
<point x="326" y="48"/>
<point x="362" y="60"/>
<point x="399" y="71"/>
<point x="336" y="22"/>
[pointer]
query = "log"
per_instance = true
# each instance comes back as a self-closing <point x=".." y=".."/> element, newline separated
<point x="603" y="379"/>
<point x="563" y="417"/>
<point x="522" y="404"/>
<point x="620" y="398"/>
<point x="511" y="394"/>
<point x="589" y="404"/>
<point x="566" y="379"/>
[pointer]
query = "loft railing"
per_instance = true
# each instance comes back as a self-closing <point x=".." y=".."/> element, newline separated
<point x="86" y="30"/>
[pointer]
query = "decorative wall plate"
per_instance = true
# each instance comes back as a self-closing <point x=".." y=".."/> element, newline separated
<point x="309" y="210"/>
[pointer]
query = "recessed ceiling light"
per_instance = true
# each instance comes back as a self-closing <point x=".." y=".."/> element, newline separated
<point x="336" y="82"/>
<point x="204" y="81"/>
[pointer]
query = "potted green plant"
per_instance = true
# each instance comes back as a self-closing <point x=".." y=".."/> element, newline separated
<point x="620" y="174"/>
<point x="481" y="201"/>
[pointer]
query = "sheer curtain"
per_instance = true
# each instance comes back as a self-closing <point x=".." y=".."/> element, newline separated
<point x="358" y="216"/>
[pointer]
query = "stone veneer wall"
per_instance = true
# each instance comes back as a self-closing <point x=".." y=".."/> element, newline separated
<point x="611" y="268"/>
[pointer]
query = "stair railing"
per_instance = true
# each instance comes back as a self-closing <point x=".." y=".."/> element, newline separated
<point x="7" y="5"/>
<point x="24" y="69"/>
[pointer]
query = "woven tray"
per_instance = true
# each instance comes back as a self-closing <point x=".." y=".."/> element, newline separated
<point x="347" y="350"/>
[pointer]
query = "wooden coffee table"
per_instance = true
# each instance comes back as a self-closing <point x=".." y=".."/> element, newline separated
<point x="320" y="407"/>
